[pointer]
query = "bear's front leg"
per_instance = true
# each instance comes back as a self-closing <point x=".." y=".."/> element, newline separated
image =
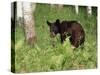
<point x="63" y="37"/>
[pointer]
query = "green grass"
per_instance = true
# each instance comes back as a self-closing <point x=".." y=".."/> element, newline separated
<point x="46" y="57"/>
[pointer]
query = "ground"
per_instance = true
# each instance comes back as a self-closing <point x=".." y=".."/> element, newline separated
<point x="43" y="56"/>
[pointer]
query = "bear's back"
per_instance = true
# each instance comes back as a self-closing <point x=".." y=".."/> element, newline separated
<point x="73" y="25"/>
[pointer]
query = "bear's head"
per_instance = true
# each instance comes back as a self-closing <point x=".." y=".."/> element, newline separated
<point x="54" y="27"/>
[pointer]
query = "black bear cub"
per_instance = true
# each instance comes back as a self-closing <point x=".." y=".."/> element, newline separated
<point x="68" y="28"/>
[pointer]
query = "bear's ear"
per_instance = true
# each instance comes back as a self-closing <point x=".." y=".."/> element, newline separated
<point x="57" y="21"/>
<point x="48" y="23"/>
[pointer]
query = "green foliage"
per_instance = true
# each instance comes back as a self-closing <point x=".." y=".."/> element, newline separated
<point x="48" y="54"/>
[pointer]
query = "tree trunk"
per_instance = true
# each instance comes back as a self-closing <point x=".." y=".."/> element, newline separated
<point x="76" y="9"/>
<point x="60" y="6"/>
<point x="89" y="10"/>
<point x="52" y="5"/>
<point x="57" y="6"/>
<point x="29" y="23"/>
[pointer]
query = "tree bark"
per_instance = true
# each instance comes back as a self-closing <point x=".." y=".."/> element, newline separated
<point x="29" y="23"/>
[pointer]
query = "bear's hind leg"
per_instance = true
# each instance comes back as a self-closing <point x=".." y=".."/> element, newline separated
<point x="74" y="41"/>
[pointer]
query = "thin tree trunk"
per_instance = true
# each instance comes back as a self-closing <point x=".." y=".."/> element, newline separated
<point x="60" y="6"/>
<point x="89" y="10"/>
<point x="76" y="9"/>
<point x="29" y="23"/>
<point x="52" y="5"/>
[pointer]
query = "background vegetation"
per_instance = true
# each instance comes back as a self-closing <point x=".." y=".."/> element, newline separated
<point x="43" y="56"/>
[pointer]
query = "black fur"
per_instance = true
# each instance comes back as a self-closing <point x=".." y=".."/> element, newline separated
<point x="68" y="28"/>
